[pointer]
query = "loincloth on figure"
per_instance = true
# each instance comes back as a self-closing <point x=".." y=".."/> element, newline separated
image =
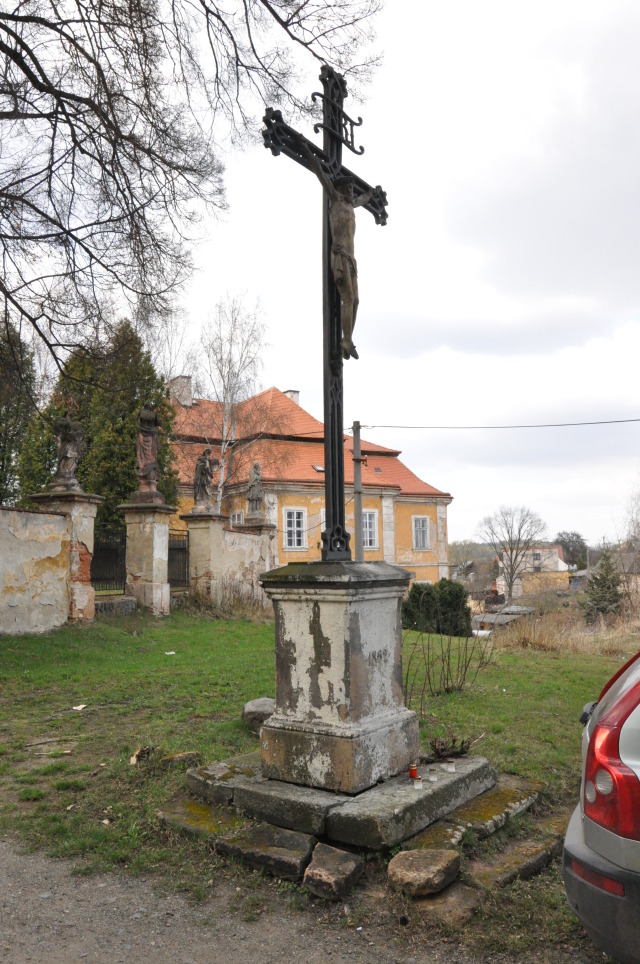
<point x="343" y="263"/>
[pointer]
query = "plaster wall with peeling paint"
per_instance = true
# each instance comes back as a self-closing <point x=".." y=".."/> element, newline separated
<point x="34" y="571"/>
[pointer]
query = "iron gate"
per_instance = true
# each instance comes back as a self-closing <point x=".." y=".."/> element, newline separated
<point x="178" y="559"/>
<point x="108" y="564"/>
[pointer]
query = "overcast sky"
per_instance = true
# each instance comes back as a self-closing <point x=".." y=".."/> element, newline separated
<point x="505" y="288"/>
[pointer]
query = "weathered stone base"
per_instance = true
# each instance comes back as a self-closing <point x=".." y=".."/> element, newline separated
<point x="340" y="721"/>
<point x="81" y="602"/>
<point x="154" y="596"/>
<point x="148" y="552"/>
<point x="347" y="759"/>
<point x="380" y="817"/>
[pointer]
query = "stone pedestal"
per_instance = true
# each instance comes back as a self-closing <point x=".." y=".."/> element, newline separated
<point x="206" y="546"/>
<point x="81" y="510"/>
<point x="257" y="521"/>
<point x="148" y="554"/>
<point x="339" y="721"/>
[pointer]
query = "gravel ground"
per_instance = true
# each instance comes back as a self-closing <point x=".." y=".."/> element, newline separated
<point x="48" y="914"/>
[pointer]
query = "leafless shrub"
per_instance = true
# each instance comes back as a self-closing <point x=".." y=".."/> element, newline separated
<point x="441" y="664"/>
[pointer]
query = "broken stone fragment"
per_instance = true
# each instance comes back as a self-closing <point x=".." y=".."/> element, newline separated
<point x="332" y="873"/>
<point x="255" y="712"/>
<point x="282" y="853"/>
<point x="421" y="872"/>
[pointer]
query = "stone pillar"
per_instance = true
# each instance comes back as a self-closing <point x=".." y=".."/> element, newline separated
<point x="340" y="721"/>
<point x="148" y="554"/>
<point x="441" y="520"/>
<point x="206" y="546"/>
<point x="81" y="510"/>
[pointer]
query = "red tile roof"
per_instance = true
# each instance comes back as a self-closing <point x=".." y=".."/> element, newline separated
<point x="290" y="444"/>
<point x="271" y="412"/>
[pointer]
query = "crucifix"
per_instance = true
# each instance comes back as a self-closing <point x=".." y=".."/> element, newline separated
<point x="342" y="193"/>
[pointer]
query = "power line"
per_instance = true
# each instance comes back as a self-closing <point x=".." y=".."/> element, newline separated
<point x="484" y="428"/>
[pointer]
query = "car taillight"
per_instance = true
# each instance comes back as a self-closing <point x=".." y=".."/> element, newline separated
<point x="612" y="789"/>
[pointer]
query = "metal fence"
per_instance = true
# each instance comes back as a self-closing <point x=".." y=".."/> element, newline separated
<point x="108" y="565"/>
<point x="178" y="559"/>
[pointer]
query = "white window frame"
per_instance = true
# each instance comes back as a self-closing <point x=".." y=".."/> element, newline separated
<point x="423" y="529"/>
<point x="371" y="530"/>
<point x="293" y="530"/>
<point x="237" y="518"/>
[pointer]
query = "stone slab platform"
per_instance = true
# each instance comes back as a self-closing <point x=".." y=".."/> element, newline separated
<point x="377" y="818"/>
<point x="197" y="817"/>
<point x="393" y="811"/>
<point x="483" y="815"/>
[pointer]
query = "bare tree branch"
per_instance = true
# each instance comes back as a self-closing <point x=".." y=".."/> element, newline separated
<point x="232" y="346"/>
<point x="108" y="113"/>
<point x="512" y="532"/>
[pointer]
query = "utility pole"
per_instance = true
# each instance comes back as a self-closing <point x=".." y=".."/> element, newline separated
<point x="357" y="491"/>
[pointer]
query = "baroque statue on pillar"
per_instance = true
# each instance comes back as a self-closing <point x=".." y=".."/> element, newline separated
<point x="70" y="447"/>
<point x="255" y="491"/>
<point x="147" y="468"/>
<point x="202" y="489"/>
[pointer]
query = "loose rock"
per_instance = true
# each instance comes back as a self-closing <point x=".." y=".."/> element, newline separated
<point x="332" y="873"/>
<point x="422" y="872"/>
<point x="256" y="712"/>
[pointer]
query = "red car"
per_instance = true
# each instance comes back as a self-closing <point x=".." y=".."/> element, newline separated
<point x="601" y="857"/>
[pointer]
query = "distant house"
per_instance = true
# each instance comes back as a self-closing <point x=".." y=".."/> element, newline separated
<point x="543" y="569"/>
<point x="490" y="622"/>
<point x="404" y="519"/>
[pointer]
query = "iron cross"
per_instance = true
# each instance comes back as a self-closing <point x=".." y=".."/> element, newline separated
<point x="339" y="273"/>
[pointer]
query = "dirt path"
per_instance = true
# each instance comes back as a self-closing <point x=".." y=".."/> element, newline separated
<point x="47" y="914"/>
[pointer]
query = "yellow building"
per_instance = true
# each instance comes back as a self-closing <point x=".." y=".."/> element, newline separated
<point x="404" y="520"/>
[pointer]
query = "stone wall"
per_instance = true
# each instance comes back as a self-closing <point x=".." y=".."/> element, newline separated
<point x="246" y="556"/>
<point x="225" y="562"/>
<point x="34" y="570"/>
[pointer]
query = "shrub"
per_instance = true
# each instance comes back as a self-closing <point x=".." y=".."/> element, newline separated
<point x="441" y="608"/>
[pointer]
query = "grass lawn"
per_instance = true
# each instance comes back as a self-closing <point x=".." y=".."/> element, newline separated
<point x="522" y="711"/>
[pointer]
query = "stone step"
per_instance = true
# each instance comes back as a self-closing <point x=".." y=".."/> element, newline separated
<point x="481" y="816"/>
<point x="195" y="816"/>
<point x="519" y="859"/>
<point x="282" y="853"/>
<point x="375" y="819"/>
<point x="115" y="605"/>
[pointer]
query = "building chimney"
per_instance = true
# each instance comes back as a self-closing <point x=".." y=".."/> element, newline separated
<point x="180" y="390"/>
<point x="293" y="394"/>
